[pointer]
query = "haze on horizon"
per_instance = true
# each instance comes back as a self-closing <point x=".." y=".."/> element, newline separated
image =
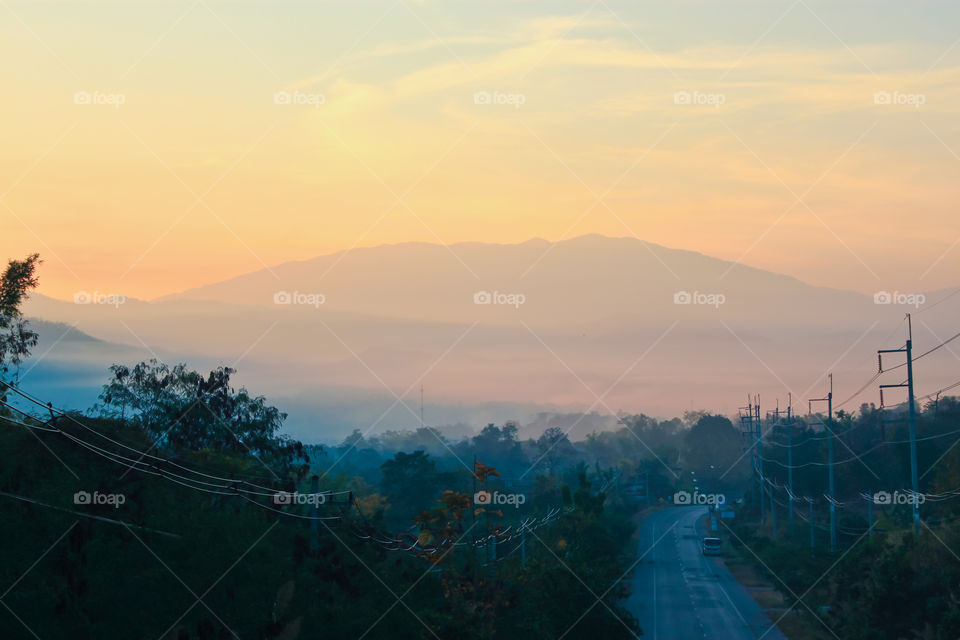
<point x="790" y="162"/>
<point x="600" y="324"/>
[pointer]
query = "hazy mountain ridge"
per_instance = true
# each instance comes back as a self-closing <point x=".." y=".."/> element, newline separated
<point x="607" y="277"/>
<point x="599" y="329"/>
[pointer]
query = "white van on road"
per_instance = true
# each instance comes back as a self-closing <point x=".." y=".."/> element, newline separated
<point x="710" y="546"/>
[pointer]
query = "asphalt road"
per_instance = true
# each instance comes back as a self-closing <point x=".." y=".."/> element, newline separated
<point x="678" y="594"/>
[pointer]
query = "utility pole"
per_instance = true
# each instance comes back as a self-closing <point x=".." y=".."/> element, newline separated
<point x="759" y="445"/>
<point x="748" y="435"/>
<point x="912" y="413"/>
<point x="646" y="484"/>
<point x="473" y="523"/>
<point x="870" y="511"/>
<point x="773" y="500"/>
<point x="913" y="429"/>
<point x="314" y="522"/>
<point x="790" y="455"/>
<point x="832" y="490"/>
<point x="523" y="547"/>
<point x="491" y="545"/>
<point x="812" y="538"/>
<point x="773" y="512"/>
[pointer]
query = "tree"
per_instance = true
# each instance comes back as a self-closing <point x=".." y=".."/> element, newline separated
<point x="554" y="445"/>
<point x="409" y="482"/>
<point x="16" y="339"/>
<point x="712" y="446"/>
<point x="691" y="418"/>
<point x="498" y="445"/>
<point x="180" y="408"/>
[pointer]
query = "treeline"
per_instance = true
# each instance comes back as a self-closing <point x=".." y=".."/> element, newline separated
<point x="406" y="468"/>
<point x="886" y="583"/>
<point x="871" y="450"/>
<point x="136" y="570"/>
<point x="181" y="533"/>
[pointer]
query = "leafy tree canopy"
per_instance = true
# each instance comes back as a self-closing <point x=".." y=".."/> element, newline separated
<point x="16" y="339"/>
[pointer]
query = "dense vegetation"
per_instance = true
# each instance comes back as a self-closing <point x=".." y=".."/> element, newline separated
<point x="892" y="584"/>
<point x="254" y="570"/>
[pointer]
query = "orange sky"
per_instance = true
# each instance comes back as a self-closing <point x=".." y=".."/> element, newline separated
<point x="187" y="167"/>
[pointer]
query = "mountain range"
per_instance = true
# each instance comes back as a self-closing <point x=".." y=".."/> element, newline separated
<point x="501" y="331"/>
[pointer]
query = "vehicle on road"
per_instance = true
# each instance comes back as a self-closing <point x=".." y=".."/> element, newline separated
<point x="710" y="546"/>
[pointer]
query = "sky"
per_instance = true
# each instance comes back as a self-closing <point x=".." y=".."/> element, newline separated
<point x="150" y="147"/>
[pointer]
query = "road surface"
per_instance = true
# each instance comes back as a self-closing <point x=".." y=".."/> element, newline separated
<point x="678" y="594"/>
